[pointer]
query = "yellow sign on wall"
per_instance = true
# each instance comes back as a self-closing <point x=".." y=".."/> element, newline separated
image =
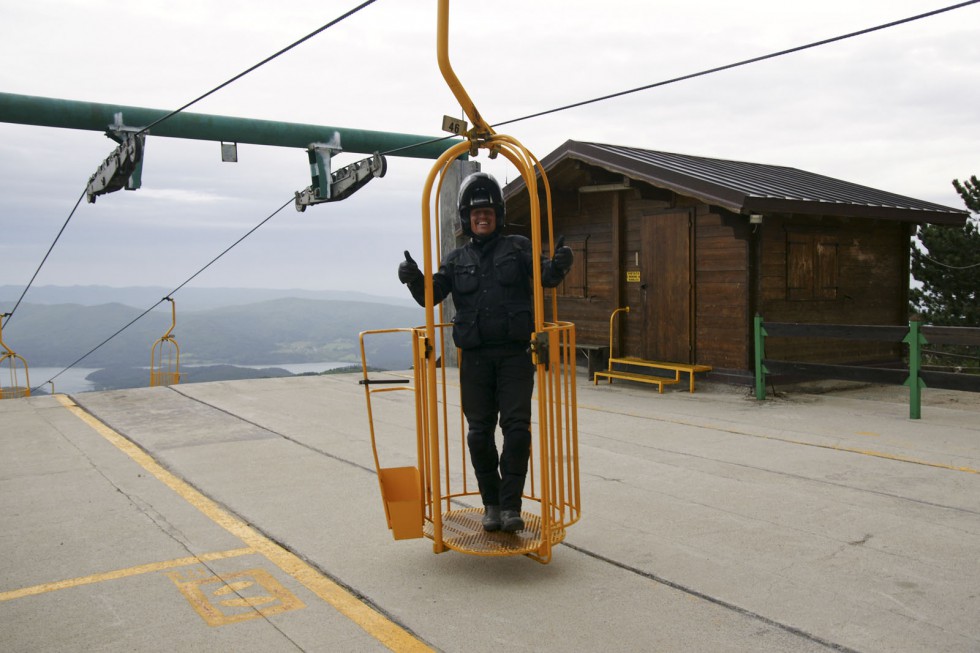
<point x="633" y="276"/>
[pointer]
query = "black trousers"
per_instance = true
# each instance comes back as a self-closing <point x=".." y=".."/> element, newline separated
<point x="498" y="384"/>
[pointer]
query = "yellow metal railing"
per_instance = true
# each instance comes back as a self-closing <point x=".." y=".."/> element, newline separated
<point x="612" y="333"/>
<point x="165" y="354"/>
<point x="11" y="366"/>
<point x="427" y="497"/>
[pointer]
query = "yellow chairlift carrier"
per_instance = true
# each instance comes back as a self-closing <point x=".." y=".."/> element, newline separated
<point x="11" y="367"/>
<point x="165" y="354"/>
<point x="435" y="497"/>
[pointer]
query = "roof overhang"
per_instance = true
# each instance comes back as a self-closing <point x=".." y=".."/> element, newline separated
<point x="704" y="179"/>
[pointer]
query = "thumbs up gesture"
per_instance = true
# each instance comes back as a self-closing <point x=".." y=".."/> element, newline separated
<point x="562" y="258"/>
<point x="408" y="270"/>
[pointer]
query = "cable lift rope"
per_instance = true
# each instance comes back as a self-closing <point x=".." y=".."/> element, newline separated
<point x="146" y="129"/>
<point x="260" y="64"/>
<point x="436" y="140"/>
<point x="744" y="62"/>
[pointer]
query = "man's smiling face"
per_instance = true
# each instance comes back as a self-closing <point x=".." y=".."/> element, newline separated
<point x="483" y="222"/>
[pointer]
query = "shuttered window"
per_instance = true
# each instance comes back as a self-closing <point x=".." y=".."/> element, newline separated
<point x="811" y="266"/>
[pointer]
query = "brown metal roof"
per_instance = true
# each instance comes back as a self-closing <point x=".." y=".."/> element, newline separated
<point x="750" y="187"/>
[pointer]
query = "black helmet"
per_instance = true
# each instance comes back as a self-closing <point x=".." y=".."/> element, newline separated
<point x="480" y="190"/>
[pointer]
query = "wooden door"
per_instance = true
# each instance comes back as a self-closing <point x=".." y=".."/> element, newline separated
<point x="667" y="287"/>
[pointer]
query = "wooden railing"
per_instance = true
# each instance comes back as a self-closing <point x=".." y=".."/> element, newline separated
<point x="915" y="335"/>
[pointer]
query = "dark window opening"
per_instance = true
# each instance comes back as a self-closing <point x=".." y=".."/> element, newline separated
<point x="576" y="283"/>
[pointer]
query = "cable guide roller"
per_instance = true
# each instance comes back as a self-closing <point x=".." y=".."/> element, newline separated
<point x="330" y="186"/>
<point x="123" y="168"/>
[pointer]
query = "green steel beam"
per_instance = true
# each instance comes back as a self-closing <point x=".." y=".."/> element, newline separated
<point x="71" y="114"/>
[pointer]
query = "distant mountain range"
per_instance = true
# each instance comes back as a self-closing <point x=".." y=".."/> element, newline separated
<point x="267" y="333"/>
<point x="188" y="299"/>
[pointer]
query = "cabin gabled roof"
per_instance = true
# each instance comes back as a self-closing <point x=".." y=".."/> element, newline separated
<point x="747" y="188"/>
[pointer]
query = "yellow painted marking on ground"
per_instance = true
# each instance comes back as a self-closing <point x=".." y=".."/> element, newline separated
<point x="834" y="447"/>
<point x="869" y="433"/>
<point x="374" y="623"/>
<point x="259" y="595"/>
<point x="123" y="573"/>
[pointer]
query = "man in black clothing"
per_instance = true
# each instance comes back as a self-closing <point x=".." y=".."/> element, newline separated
<point x="490" y="281"/>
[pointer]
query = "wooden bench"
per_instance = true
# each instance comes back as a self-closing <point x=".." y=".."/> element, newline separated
<point x="660" y="382"/>
<point x="596" y="356"/>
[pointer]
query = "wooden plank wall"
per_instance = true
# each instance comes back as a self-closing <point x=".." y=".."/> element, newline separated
<point x="586" y="226"/>
<point x="872" y="277"/>
<point x="722" y="320"/>
<point x="587" y="218"/>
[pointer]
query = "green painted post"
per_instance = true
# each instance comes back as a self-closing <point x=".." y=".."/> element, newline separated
<point x="760" y="369"/>
<point x="915" y="341"/>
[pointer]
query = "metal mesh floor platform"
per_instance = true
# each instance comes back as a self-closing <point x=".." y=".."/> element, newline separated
<point x="462" y="530"/>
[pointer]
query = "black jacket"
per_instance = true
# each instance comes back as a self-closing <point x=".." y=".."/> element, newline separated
<point x="490" y="282"/>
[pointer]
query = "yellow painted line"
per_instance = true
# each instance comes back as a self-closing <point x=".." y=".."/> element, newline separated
<point x="373" y="622"/>
<point x="834" y="447"/>
<point x="122" y="573"/>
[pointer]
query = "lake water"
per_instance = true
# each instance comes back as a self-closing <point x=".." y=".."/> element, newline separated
<point x="73" y="380"/>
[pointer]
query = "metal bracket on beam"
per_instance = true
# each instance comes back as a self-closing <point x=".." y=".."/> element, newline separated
<point x="343" y="183"/>
<point x="124" y="167"/>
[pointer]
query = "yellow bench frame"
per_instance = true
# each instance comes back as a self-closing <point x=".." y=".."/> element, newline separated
<point x="690" y="368"/>
<point x="660" y="382"/>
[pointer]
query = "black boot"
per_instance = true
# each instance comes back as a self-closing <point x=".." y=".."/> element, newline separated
<point x="491" y="518"/>
<point x="511" y="521"/>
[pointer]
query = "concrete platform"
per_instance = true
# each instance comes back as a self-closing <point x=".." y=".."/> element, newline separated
<point x="246" y="516"/>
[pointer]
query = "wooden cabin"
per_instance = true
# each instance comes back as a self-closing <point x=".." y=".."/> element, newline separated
<point x="696" y="247"/>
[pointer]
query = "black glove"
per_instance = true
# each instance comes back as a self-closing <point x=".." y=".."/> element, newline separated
<point x="562" y="259"/>
<point x="408" y="270"/>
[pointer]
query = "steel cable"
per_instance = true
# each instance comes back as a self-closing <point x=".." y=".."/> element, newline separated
<point x="176" y="111"/>
<point x="172" y="292"/>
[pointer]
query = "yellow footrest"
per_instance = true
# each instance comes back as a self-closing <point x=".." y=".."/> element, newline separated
<point x="676" y="368"/>
<point x="402" y="496"/>
<point x="462" y="530"/>
<point x="659" y="381"/>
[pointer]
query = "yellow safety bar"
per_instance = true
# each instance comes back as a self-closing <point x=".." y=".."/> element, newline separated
<point x="9" y="365"/>
<point x="401" y="487"/>
<point x="612" y="332"/>
<point x="166" y="373"/>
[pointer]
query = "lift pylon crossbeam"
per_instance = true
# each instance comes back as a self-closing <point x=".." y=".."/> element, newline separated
<point x="93" y="116"/>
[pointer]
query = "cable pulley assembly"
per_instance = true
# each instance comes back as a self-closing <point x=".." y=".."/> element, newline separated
<point x="124" y="167"/>
<point x="334" y="186"/>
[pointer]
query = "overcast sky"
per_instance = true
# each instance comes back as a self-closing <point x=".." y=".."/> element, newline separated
<point x="897" y="110"/>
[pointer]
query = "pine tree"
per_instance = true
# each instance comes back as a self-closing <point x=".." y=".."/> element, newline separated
<point x="947" y="264"/>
